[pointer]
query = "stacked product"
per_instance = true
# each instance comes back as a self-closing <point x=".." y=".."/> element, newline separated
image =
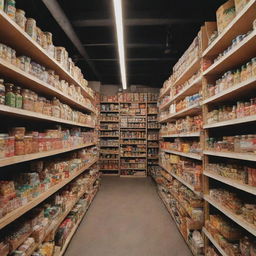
<point x="109" y="135"/>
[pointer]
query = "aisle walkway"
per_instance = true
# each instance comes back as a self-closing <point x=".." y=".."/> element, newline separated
<point x="127" y="218"/>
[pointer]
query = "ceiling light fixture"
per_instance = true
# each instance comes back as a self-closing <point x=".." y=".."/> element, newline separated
<point x="120" y="39"/>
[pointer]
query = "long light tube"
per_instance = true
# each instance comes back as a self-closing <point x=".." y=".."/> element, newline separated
<point x="120" y="39"/>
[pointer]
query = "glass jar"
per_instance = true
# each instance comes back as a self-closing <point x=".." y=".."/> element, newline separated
<point x="253" y="67"/>
<point x="1" y="4"/>
<point x="30" y="28"/>
<point x="18" y="97"/>
<point x="9" y="96"/>
<point x="28" y="144"/>
<point x="243" y="73"/>
<point x="249" y="69"/>
<point x="20" y="18"/>
<point x="56" y="107"/>
<point x="19" y="147"/>
<point x="10" y="8"/>
<point x="10" y="146"/>
<point x="237" y="76"/>
<point x="26" y="103"/>
<point x="2" y="92"/>
<point x="18" y="132"/>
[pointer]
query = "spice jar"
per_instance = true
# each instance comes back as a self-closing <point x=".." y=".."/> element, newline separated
<point x="26" y="101"/>
<point x="20" y="18"/>
<point x="19" y="147"/>
<point x="18" y="97"/>
<point x="30" y="28"/>
<point x="28" y="144"/>
<point x="2" y="92"/>
<point x="9" y="96"/>
<point x="10" y="8"/>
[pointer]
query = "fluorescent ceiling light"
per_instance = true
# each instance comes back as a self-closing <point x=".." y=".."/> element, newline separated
<point x="120" y="39"/>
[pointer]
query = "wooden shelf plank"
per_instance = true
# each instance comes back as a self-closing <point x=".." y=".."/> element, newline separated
<point x="231" y="182"/>
<point x="73" y="231"/>
<point x="232" y="92"/>
<point x="133" y="156"/>
<point x="17" y="38"/>
<point x="191" y="187"/>
<point x="190" y="89"/>
<point x="246" y="119"/>
<point x="16" y="112"/>
<point x="239" y="54"/>
<point x="214" y="242"/>
<point x="240" y="156"/>
<point x="109" y="121"/>
<point x="10" y="217"/>
<point x="181" y="135"/>
<point x="241" y="24"/>
<point x="192" y="110"/>
<point x="189" y="155"/>
<point x="109" y="111"/>
<point x="34" y="83"/>
<point x="236" y="218"/>
<point x="24" y="158"/>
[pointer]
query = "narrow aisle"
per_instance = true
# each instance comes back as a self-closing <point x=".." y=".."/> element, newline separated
<point x="127" y="218"/>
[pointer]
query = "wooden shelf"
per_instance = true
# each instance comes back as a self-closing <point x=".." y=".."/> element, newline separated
<point x="214" y="242"/>
<point x="109" y="146"/>
<point x="108" y="159"/>
<point x="166" y="91"/>
<point x="189" y="155"/>
<point x="109" y="111"/>
<point x="126" y="138"/>
<point x="233" y="91"/>
<point x="109" y="136"/>
<point x="239" y="54"/>
<point x="190" y="89"/>
<point x="107" y="102"/>
<point x="109" y="169"/>
<point x="189" y="72"/>
<point x="181" y="135"/>
<point x="17" y="38"/>
<point x="191" y="187"/>
<point x="240" y="156"/>
<point x="109" y="121"/>
<point x="133" y="176"/>
<point x="73" y="231"/>
<point x="133" y="156"/>
<point x="132" y="143"/>
<point x="109" y="130"/>
<point x="21" y="113"/>
<point x="241" y="24"/>
<point x="10" y="217"/>
<point x="246" y="119"/>
<point x="24" y="158"/>
<point x="192" y="110"/>
<point x="136" y="169"/>
<point x="236" y="218"/>
<point x="32" y="82"/>
<point x="231" y="182"/>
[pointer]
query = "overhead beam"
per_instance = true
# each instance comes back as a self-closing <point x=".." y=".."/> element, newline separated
<point x="135" y="45"/>
<point x="132" y="22"/>
<point x="66" y="26"/>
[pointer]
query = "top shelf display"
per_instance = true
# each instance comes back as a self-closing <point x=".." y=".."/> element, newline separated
<point x="15" y="36"/>
<point x="241" y="24"/>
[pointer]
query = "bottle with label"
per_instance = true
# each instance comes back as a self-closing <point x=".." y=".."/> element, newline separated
<point x="2" y="92"/>
<point x="9" y="96"/>
<point x="18" y="97"/>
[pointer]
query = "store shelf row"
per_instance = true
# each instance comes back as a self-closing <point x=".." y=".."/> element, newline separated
<point x="181" y="135"/>
<point x="24" y="158"/>
<point x="16" y="37"/>
<point x="22" y="113"/>
<point x="189" y="155"/>
<point x="191" y="187"/>
<point x="236" y="218"/>
<point x="34" y="83"/>
<point x="10" y="217"/>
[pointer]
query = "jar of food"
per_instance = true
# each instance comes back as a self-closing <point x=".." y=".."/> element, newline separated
<point x="2" y="145"/>
<point x="10" y="8"/>
<point x="9" y="96"/>
<point x="28" y="144"/>
<point x="236" y="76"/>
<point x="48" y="38"/>
<point x="20" y="18"/>
<point x="249" y="69"/>
<point x="26" y="102"/>
<point x="30" y="28"/>
<point x="19" y="147"/>
<point x="10" y="146"/>
<point x="18" y="97"/>
<point x="1" y="4"/>
<point x="56" y="107"/>
<point x="13" y="57"/>
<point x="35" y="142"/>
<point x="2" y="92"/>
<point x="243" y="73"/>
<point x="18" y="132"/>
<point x="253" y="67"/>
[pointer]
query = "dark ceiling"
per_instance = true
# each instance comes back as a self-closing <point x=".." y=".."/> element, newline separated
<point x="149" y="24"/>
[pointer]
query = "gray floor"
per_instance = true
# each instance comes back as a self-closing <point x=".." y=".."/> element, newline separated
<point x="127" y="218"/>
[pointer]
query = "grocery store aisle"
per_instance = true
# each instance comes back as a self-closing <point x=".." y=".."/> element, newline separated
<point x="127" y="218"/>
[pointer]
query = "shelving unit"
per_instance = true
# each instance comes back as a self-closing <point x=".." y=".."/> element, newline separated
<point x="46" y="140"/>
<point x="240" y="91"/>
<point x="109" y="109"/>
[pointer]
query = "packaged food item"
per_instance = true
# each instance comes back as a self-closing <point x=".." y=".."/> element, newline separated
<point x="30" y="28"/>
<point x="20" y="18"/>
<point x="18" y="97"/>
<point x="9" y="95"/>
<point x="2" y="92"/>
<point x="10" y="8"/>
<point x="1" y="4"/>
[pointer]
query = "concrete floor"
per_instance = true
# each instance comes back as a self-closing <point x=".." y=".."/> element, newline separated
<point x="127" y="218"/>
